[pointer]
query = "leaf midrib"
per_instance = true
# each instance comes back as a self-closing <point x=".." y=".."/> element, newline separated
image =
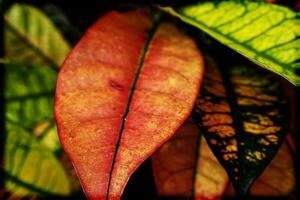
<point x="237" y="123"/>
<point x="132" y="90"/>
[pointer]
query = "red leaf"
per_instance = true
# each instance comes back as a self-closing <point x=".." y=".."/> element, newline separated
<point x="186" y="167"/>
<point x="121" y="93"/>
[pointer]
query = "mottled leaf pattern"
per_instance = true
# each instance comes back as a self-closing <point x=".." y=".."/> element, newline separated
<point x="242" y="113"/>
<point x="279" y="177"/>
<point x="278" y="180"/>
<point x="186" y="167"/>
<point x="30" y="168"/>
<point x="265" y="33"/>
<point x="30" y="37"/>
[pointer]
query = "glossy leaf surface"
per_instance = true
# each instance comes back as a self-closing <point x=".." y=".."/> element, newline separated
<point x="242" y="113"/>
<point x="265" y="33"/>
<point x="119" y="96"/>
<point x="186" y="167"/>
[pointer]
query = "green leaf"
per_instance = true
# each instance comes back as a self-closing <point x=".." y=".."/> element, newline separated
<point x="267" y="34"/>
<point x="30" y="168"/>
<point x="30" y="37"/>
<point x="31" y="42"/>
<point x="46" y="133"/>
<point x="28" y="93"/>
<point x="241" y="111"/>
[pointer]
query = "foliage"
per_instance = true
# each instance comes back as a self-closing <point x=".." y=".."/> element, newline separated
<point x="131" y="81"/>
<point x="265" y="33"/>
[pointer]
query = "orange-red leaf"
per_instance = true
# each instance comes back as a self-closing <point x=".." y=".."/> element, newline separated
<point x="122" y="92"/>
<point x="186" y="167"/>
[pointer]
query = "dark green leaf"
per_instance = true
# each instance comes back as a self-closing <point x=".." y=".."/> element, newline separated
<point x="242" y="112"/>
<point x="265" y="33"/>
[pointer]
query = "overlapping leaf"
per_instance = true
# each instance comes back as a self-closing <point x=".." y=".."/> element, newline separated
<point x="279" y="177"/>
<point x="30" y="168"/>
<point x="119" y="96"/>
<point x="29" y="96"/>
<point x="186" y="167"/>
<point x="30" y="37"/>
<point x="29" y="163"/>
<point x="278" y="180"/>
<point x="267" y="34"/>
<point x="242" y="113"/>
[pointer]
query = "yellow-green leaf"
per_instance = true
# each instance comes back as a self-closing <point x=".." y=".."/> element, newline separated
<point x="30" y="168"/>
<point x="267" y="34"/>
<point x="29" y="162"/>
<point x="46" y="133"/>
<point x="30" y="37"/>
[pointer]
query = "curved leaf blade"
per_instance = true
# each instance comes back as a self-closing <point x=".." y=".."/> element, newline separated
<point x="119" y="98"/>
<point x="186" y="167"/>
<point x="30" y="37"/>
<point x="242" y="114"/>
<point x="30" y="168"/>
<point x="267" y="34"/>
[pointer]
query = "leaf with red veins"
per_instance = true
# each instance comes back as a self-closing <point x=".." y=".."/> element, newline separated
<point x="123" y="91"/>
<point x="186" y="167"/>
